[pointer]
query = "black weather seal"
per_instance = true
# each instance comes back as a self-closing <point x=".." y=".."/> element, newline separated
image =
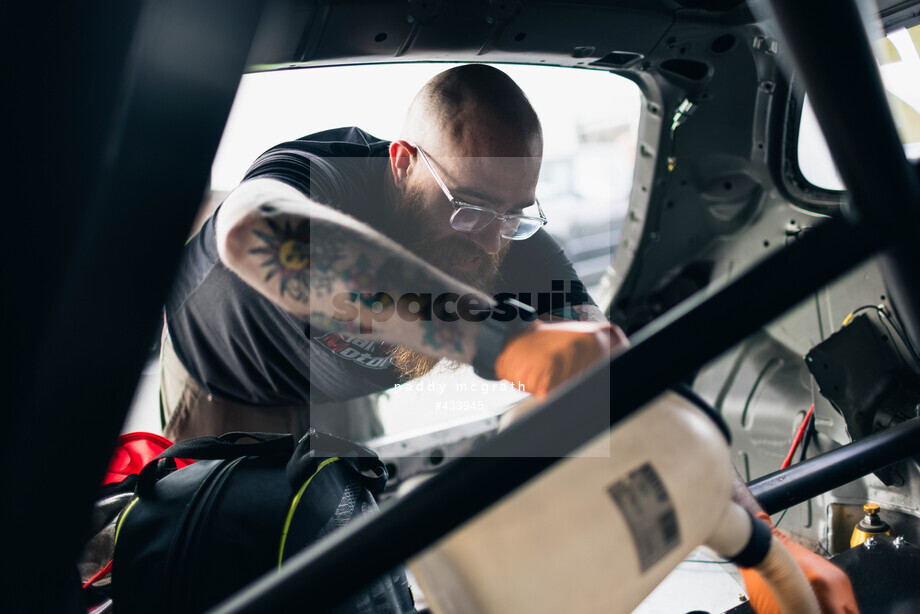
<point x="795" y="187"/>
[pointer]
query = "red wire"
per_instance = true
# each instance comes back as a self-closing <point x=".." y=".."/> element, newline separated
<point x="798" y="437"/>
<point x="99" y="574"/>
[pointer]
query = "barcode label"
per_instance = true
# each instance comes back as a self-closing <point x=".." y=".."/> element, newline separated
<point x="644" y="502"/>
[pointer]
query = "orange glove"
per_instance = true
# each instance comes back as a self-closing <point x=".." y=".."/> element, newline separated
<point x="545" y="355"/>
<point x="831" y="586"/>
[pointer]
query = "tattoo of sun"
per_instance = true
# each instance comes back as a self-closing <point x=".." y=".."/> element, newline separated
<point x="440" y="334"/>
<point x="299" y="264"/>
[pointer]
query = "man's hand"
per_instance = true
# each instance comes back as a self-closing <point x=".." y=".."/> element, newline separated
<point x="546" y="355"/>
<point x="830" y="584"/>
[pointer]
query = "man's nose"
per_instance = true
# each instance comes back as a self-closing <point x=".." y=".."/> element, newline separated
<point x="489" y="239"/>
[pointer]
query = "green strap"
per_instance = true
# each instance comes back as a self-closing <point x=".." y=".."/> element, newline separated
<point x="294" y="503"/>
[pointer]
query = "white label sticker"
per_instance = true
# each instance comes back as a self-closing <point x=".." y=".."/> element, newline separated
<point x="649" y="514"/>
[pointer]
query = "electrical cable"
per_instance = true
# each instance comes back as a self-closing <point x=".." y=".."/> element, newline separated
<point x="898" y="329"/>
<point x="882" y="310"/>
<point x="781" y="516"/>
<point x="853" y="313"/>
<point x="780" y="519"/>
<point x="810" y="432"/>
<point x="798" y="437"/>
<point x="803" y="428"/>
<point x="897" y="348"/>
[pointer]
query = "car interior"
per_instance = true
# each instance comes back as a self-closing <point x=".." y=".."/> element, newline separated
<point x="743" y="201"/>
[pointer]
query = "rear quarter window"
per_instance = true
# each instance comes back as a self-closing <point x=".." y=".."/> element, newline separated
<point x="898" y="55"/>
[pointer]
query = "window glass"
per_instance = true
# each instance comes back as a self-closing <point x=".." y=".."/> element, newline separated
<point x="590" y="121"/>
<point x="899" y="64"/>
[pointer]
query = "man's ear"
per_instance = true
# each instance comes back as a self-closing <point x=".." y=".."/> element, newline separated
<point x="401" y="153"/>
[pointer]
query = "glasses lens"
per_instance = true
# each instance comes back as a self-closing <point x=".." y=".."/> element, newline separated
<point x="520" y="227"/>
<point x="467" y="219"/>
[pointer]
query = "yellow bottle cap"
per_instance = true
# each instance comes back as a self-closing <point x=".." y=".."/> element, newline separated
<point x="871" y="508"/>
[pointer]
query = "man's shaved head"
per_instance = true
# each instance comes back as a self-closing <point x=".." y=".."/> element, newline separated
<point x="483" y="139"/>
<point x="474" y="109"/>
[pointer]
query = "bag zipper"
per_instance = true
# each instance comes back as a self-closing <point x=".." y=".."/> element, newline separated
<point x="189" y="538"/>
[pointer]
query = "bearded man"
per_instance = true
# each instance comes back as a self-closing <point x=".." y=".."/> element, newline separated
<point x="344" y="264"/>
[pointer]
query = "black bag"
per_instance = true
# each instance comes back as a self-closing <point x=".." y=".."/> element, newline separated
<point x="192" y="537"/>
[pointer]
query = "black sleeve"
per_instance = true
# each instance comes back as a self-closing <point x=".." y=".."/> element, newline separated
<point x="308" y="172"/>
<point x="341" y="168"/>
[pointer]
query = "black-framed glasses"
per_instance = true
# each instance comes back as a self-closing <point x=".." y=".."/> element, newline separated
<point x="468" y="217"/>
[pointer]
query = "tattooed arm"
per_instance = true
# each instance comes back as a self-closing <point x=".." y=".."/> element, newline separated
<point x="328" y="268"/>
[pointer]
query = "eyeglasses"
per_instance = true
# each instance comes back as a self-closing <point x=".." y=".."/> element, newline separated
<point x="472" y="218"/>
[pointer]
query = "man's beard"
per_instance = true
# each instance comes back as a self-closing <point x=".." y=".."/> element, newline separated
<point x="410" y="228"/>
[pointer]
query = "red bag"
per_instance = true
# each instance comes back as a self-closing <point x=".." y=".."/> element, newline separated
<point x="134" y="450"/>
